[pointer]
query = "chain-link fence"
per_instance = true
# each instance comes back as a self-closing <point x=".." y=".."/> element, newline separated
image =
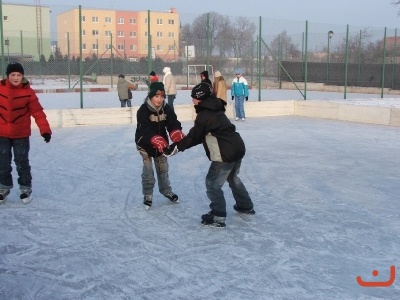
<point x="270" y="53"/>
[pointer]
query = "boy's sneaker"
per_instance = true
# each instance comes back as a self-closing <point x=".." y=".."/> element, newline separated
<point x="213" y="221"/>
<point x="3" y="195"/>
<point x="244" y="211"/>
<point x="243" y="119"/>
<point x="171" y="196"/>
<point x="147" y="201"/>
<point x="236" y="119"/>
<point x="26" y="195"/>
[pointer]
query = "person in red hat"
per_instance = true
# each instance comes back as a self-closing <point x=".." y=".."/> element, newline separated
<point x="18" y="103"/>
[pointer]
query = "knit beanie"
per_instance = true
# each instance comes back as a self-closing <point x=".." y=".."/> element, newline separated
<point x="202" y="91"/>
<point x="14" y="67"/>
<point x="152" y="73"/>
<point x="156" y="88"/>
<point x="121" y="76"/>
<point x="217" y="74"/>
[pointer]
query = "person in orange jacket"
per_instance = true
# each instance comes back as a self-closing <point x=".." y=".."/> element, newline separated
<point x="18" y="103"/>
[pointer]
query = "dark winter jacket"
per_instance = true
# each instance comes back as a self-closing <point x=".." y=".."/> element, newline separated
<point x="17" y="105"/>
<point x="212" y="128"/>
<point x="151" y="122"/>
<point x="206" y="77"/>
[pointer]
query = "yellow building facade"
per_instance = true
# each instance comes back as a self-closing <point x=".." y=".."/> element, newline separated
<point x="123" y="34"/>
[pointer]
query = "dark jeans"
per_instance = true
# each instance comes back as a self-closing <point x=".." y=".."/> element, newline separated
<point x="20" y="148"/>
<point x="218" y="173"/>
<point x="125" y="103"/>
<point x="170" y="99"/>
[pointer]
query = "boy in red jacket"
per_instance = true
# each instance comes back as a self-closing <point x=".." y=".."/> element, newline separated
<point x="18" y="103"/>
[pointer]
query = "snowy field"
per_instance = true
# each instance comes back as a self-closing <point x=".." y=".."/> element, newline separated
<point x="326" y="195"/>
<point x="110" y="99"/>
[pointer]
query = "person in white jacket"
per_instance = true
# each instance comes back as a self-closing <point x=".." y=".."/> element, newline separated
<point x="170" y="86"/>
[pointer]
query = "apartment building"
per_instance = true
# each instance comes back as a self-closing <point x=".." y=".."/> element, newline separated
<point x="26" y="32"/>
<point x="123" y="34"/>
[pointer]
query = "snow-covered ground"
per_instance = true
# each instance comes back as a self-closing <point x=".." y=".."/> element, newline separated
<point x="110" y="99"/>
<point x="326" y="195"/>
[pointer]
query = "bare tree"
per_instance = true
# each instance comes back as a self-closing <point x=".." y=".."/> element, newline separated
<point x="396" y="3"/>
<point x="282" y="47"/>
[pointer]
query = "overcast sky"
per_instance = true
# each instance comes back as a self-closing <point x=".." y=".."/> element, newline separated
<point x="365" y="13"/>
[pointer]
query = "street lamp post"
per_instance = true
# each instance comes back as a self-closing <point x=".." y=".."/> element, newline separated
<point x="7" y="43"/>
<point x="328" y="58"/>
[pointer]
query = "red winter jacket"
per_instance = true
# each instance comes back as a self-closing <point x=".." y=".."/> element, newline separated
<point x="17" y="105"/>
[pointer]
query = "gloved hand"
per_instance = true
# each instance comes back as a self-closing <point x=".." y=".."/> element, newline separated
<point x="176" y="135"/>
<point x="47" y="137"/>
<point x="233" y="97"/>
<point x="158" y="142"/>
<point x="247" y="98"/>
<point x="171" y="150"/>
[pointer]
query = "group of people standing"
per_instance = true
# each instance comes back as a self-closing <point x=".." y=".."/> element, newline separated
<point x="239" y="91"/>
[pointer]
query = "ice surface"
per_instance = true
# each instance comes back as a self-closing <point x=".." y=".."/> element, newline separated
<point x="326" y="195"/>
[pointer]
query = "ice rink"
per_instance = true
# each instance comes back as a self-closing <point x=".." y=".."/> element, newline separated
<point x="326" y="196"/>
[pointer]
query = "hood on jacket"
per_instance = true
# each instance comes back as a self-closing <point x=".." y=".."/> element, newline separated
<point x="166" y="70"/>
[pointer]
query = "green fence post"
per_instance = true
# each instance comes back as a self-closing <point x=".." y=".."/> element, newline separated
<point x="346" y="66"/>
<point x="22" y="45"/>
<point x="383" y="63"/>
<point x="359" y="59"/>
<point x="394" y="57"/>
<point x="305" y="62"/>
<point x="3" y="67"/>
<point x="259" y="59"/>
<point x="149" y="45"/>
<point x="80" y="56"/>
<point x="208" y="42"/>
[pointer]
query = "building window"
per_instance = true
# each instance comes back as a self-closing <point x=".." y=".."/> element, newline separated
<point x="107" y="33"/>
<point x="95" y="19"/>
<point x="120" y="47"/>
<point x="132" y="34"/>
<point x="108" y="46"/>
<point x="83" y="19"/>
<point x="145" y="33"/>
<point x="171" y="34"/>
<point x="171" y="22"/>
<point x="121" y="20"/>
<point x="107" y="19"/>
<point x="133" y="47"/>
<point x="159" y="34"/>
<point x="145" y="21"/>
<point x="159" y="21"/>
<point x="95" y="47"/>
<point x="132" y="21"/>
<point x="5" y="18"/>
<point x="159" y="48"/>
<point x="120" y="33"/>
<point x="83" y="32"/>
<point x="171" y="47"/>
<point x="95" y="32"/>
<point x="83" y="46"/>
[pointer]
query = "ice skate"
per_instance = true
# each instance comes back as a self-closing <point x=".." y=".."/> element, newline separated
<point x="171" y="196"/>
<point x="209" y="219"/>
<point x="147" y="201"/>
<point x="244" y="211"/>
<point x="26" y="195"/>
<point x="3" y="195"/>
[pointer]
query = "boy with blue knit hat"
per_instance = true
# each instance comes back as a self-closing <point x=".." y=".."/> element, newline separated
<point x="155" y="121"/>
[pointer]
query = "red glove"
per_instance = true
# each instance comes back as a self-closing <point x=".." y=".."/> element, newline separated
<point x="159" y="143"/>
<point x="176" y="135"/>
